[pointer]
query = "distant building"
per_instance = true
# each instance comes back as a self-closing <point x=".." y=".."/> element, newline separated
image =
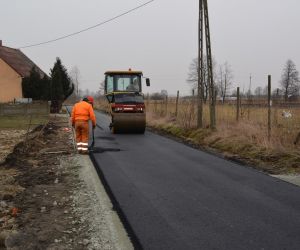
<point x="14" y="65"/>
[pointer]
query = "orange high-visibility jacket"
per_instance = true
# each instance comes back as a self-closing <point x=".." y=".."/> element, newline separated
<point x="83" y="111"/>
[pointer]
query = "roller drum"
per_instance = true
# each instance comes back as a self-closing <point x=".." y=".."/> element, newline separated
<point x="128" y="122"/>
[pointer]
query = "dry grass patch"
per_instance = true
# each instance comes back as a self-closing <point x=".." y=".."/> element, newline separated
<point x="21" y="122"/>
<point x="245" y="142"/>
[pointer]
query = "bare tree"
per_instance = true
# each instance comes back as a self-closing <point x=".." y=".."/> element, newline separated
<point x="258" y="91"/>
<point x="290" y="82"/>
<point x="220" y="81"/>
<point x="224" y="82"/>
<point x="75" y="76"/>
<point x="102" y="88"/>
<point x="193" y="76"/>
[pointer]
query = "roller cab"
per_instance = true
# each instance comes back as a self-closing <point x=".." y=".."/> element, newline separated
<point x="123" y="91"/>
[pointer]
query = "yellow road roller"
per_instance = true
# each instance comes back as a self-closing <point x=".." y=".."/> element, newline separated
<point x="123" y="90"/>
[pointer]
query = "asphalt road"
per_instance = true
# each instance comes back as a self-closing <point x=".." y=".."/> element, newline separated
<point x="176" y="197"/>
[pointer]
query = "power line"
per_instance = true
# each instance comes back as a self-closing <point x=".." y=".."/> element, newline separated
<point x="89" y="28"/>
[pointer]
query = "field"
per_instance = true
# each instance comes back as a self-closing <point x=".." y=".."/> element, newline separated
<point x="253" y="120"/>
<point x="21" y="122"/>
<point x="245" y="140"/>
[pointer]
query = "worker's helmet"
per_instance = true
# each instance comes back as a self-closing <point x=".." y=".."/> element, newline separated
<point x="91" y="99"/>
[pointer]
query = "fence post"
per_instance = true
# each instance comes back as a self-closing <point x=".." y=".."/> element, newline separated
<point x="193" y="109"/>
<point x="269" y="107"/>
<point x="161" y="107"/>
<point x="166" y="105"/>
<point x="275" y="104"/>
<point x="177" y="99"/>
<point x="215" y="107"/>
<point x="193" y="106"/>
<point x="237" y="104"/>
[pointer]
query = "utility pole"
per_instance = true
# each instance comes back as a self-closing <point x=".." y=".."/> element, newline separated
<point x="212" y="97"/>
<point x="200" y="67"/>
<point x="204" y="21"/>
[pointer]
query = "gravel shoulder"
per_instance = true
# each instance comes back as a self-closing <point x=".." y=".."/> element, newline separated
<point x="104" y="221"/>
<point x="294" y="179"/>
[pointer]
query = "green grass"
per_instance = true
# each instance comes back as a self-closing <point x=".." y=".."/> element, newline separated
<point x="21" y="122"/>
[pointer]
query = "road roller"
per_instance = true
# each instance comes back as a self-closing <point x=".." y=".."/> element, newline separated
<point x="123" y="90"/>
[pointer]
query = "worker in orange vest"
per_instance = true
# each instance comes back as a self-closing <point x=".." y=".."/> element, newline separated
<point x="81" y="114"/>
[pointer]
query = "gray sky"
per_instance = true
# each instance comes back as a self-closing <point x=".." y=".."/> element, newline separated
<point x="254" y="36"/>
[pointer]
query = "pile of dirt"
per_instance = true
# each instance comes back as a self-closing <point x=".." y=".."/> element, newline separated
<point x="36" y="191"/>
<point x="9" y="138"/>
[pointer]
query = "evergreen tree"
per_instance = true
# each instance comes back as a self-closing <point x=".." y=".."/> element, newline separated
<point x="34" y="87"/>
<point x="45" y="84"/>
<point x="61" y="85"/>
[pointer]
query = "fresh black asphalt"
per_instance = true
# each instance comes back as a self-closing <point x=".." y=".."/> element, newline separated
<point x="176" y="197"/>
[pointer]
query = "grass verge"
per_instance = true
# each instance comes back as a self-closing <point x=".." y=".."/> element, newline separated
<point x="236" y="147"/>
<point x="21" y="122"/>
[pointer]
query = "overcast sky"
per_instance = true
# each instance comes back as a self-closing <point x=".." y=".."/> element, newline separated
<point x="254" y="36"/>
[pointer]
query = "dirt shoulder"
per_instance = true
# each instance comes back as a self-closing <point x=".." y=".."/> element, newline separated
<point x="51" y="198"/>
<point x="9" y="139"/>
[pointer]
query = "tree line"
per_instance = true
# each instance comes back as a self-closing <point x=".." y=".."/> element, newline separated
<point x="223" y="75"/>
<point x="56" y="88"/>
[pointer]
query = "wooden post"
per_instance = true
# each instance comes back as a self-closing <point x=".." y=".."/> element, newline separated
<point x="166" y="106"/>
<point x="193" y="104"/>
<point x="269" y="107"/>
<point x="177" y="99"/>
<point x="275" y="104"/>
<point x="215" y="107"/>
<point x="237" y="104"/>
<point x="192" y="113"/>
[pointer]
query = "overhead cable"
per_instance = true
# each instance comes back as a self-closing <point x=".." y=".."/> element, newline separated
<point x="88" y="28"/>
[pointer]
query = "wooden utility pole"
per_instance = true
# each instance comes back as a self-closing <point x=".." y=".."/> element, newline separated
<point x="200" y="67"/>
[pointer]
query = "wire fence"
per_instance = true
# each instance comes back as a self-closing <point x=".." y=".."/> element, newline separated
<point x="252" y="114"/>
<point x="249" y="117"/>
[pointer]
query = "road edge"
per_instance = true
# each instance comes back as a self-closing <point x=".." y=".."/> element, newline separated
<point x="116" y="206"/>
<point x="291" y="179"/>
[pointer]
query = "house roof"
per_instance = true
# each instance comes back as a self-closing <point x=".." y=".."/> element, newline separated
<point x="17" y="60"/>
